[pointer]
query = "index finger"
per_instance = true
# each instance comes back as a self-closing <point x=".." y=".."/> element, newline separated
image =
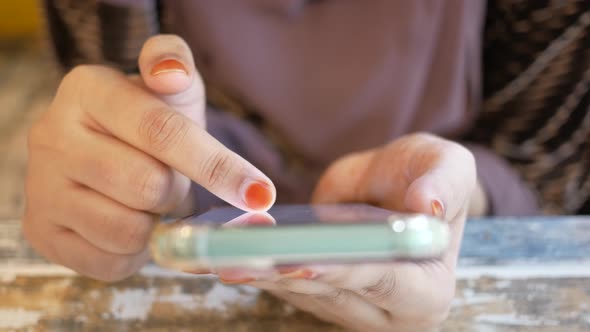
<point x="133" y="115"/>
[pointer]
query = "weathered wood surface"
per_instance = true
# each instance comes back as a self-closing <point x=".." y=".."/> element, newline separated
<point x="498" y="241"/>
<point x="515" y="275"/>
<point x="514" y="295"/>
<point x="152" y="303"/>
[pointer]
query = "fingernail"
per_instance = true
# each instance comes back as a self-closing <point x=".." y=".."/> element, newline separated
<point x="438" y="209"/>
<point x="299" y="274"/>
<point x="169" y="66"/>
<point x="236" y="281"/>
<point x="256" y="195"/>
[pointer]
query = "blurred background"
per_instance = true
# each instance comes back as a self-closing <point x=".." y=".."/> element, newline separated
<point x="18" y="19"/>
<point x="27" y="82"/>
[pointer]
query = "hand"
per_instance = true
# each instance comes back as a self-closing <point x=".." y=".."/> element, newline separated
<point x="113" y="152"/>
<point x="416" y="173"/>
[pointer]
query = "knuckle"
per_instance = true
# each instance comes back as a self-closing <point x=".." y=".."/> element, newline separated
<point x="383" y="289"/>
<point x="135" y="235"/>
<point x="78" y="78"/>
<point x="216" y="168"/>
<point x="86" y="83"/>
<point x="153" y="186"/>
<point x="163" y="129"/>
<point x="103" y="170"/>
<point x="129" y="230"/>
<point x="82" y="72"/>
<point x="82" y="75"/>
<point x="77" y="74"/>
<point x="107" y="220"/>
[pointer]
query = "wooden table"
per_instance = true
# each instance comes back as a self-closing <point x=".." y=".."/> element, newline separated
<point x="515" y="274"/>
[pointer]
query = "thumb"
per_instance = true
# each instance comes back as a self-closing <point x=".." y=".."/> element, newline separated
<point x="167" y="68"/>
<point x="444" y="190"/>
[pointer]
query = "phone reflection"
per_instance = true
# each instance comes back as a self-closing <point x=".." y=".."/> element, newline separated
<point x="251" y="219"/>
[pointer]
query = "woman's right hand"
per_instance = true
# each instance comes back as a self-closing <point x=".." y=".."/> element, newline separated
<point x="114" y="151"/>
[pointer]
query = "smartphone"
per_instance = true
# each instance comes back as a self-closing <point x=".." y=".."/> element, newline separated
<point x="294" y="235"/>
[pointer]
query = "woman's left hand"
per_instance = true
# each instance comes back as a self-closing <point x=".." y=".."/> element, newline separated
<point x="417" y="173"/>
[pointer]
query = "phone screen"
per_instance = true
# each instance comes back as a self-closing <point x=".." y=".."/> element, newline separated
<point x="291" y="215"/>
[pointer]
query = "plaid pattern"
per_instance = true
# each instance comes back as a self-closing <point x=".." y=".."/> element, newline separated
<point x="536" y="82"/>
<point x="536" y="110"/>
<point x="94" y="32"/>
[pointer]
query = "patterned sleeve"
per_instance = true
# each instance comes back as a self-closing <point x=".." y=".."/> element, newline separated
<point x="108" y="32"/>
<point x="536" y="109"/>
